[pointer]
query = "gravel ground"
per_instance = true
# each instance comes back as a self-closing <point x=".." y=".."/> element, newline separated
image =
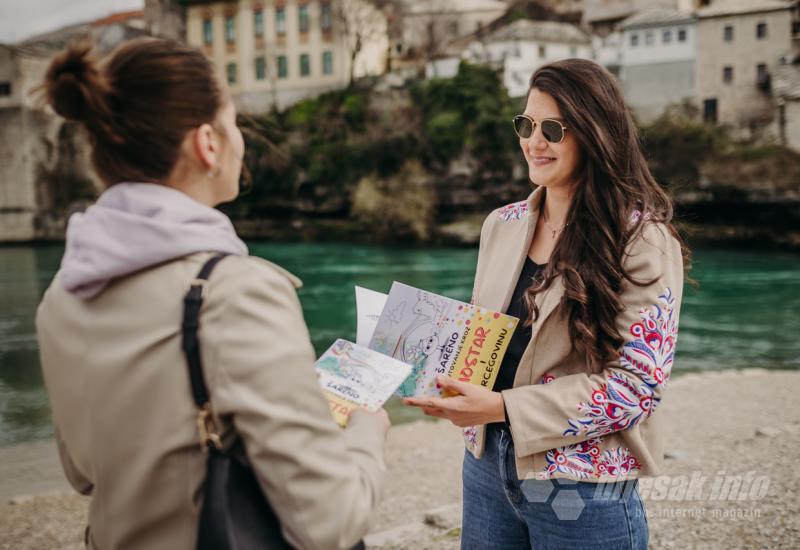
<point x="735" y="423"/>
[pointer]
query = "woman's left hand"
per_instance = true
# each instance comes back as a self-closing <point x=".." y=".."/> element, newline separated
<point x="472" y="406"/>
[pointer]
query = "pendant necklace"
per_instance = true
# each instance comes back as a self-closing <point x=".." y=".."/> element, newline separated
<point x="550" y="228"/>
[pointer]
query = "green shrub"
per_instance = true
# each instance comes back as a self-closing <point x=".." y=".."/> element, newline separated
<point x="677" y="147"/>
<point x="445" y="134"/>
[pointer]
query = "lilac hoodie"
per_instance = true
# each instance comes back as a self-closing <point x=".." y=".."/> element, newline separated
<point x="133" y="226"/>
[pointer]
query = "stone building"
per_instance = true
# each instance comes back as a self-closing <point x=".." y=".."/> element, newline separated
<point x="524" y="45"/>
<point x="657" y="59"/>
<point x="786" y="86"/>
<point x="604" y="16"/>
<point x="274" y="53"/>
<point x="426" y="29"/>
<point x="44" y="165"/>
<point x="739" y="44"/>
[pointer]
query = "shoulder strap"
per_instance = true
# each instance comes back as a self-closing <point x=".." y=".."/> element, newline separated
<point x="192" y="303"/>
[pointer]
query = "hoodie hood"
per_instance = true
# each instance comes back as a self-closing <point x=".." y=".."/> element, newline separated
<point x="133" y="226"/>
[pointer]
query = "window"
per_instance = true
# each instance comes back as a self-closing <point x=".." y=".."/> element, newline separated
<point x="302" y="13"/>
<point x="667" y="37"/>
<point x="261" y="68"/>
<point x="5" y="89"/>
<point x="634" y="40"/>
<point x="542" y="51"/>
<point x="231" y="72"/>
<point x="727" y="74"/>
<point x="258" y="23"/>
<point x="681" y="35"/>
<point x="452" y="28"/>
<point x="283" y="67"/>
<point x="230" y="29"/>
<point x="280" y="20"/>
<point x="761" y="31"/>
<point x="208" y="31"/>
<point x="305" y="65"/>
<point x="326" y="17"/>
<point x="710" y="110"/>
<point x="727" y="33"/>
<point x="573" y="51"/>
<point x="648" y="38"/>
<point x="327" y="62"/>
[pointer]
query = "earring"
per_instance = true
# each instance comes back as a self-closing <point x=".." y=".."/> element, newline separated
<point x="213" y="173"/>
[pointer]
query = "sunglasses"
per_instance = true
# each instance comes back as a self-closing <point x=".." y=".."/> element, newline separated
<point x="552" y="130"/>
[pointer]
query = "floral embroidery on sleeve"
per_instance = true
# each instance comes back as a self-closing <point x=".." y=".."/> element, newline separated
<point x="471" y="436"/>
<point x="515" y="211"/>
<point x="585" y="459"/>
<point x="623" y="402"/>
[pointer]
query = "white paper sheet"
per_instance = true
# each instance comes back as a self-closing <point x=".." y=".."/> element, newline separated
<point x="369" y="305"/>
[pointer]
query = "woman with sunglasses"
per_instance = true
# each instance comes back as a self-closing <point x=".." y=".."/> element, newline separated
<point x="593" y="267"/>
<point x="166" y="145"/>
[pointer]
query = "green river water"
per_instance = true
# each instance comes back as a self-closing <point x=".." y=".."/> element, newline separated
<point x="745" y="313"/>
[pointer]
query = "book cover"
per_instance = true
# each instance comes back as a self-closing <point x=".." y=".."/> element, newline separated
<point x="439" y="335"/>
<point x="354" y="376"/>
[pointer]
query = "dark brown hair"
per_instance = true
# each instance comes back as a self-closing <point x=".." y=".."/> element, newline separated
<point x="614" y="181"/>
<point x="138" y="104"/>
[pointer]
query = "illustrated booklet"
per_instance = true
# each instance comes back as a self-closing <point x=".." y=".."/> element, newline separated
<point x="354" y="376"/>
<point x="438" y="335"/>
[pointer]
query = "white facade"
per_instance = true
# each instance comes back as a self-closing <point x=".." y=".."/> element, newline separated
<point x="524" y="46"/>
<point x="523" y="58"/>
<point x="657" y="57"/>
<point x="658" y="44"/>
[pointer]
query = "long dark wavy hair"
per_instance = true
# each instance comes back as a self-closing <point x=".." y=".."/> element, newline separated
<point x="613" y="182"/>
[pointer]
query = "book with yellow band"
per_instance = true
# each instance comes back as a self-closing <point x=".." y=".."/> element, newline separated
<point x="437" y="335"/>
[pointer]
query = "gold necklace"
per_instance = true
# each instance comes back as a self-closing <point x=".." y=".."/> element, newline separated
<point x="550" y="227"/>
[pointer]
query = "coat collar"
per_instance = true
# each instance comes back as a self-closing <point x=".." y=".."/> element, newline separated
<point x="518" y="252"/>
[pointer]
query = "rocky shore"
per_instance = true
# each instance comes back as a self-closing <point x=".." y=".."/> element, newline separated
<point x="739" y="430"/>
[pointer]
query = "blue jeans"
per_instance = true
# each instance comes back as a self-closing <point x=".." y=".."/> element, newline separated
<point x="502" y="512"/>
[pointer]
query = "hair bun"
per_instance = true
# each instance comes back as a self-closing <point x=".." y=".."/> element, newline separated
<point x="75" y="88"/>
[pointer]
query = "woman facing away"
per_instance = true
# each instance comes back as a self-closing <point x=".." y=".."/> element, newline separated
<point x="593" y="267"/>
<point x="165" y="142"/>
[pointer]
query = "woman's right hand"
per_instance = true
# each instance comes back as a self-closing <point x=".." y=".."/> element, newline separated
<point x="380" y="415"/>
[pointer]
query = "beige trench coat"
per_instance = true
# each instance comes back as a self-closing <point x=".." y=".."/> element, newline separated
<point x="125" y="419"/>
<point x="565" y="422"/>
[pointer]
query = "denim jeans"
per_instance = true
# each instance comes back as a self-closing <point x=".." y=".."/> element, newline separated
<point x="501" y="512"/>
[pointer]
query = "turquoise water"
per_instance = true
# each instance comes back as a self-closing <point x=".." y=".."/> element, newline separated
<point x="746" y="312"/>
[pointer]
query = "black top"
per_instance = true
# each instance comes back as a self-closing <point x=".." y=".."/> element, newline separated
<point x="522" y="335"/>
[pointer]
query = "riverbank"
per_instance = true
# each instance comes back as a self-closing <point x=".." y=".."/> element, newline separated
<point x="727" y="423"/>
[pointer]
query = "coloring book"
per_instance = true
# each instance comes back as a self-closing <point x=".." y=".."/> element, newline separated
<point x="438" y="335"/>
<point x="353" y="376"/>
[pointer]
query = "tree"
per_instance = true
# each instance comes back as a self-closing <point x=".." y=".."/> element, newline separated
<point x="360" y="22"/>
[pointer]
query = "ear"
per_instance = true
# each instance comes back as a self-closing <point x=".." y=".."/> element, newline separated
<point x="205" y="144"/>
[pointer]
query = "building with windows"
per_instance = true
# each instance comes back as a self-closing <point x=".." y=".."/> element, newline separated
<point x="657" y="54"/>
<point x="424" y="30"/>
<point x="604" y="16"/>
<point x="523" y="46"/>
<point x="739" y="44"/>
<point x="42" y="157"/>
<point x="277" y="52"/>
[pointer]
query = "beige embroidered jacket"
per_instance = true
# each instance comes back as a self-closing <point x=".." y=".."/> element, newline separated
<point x="565" y="422"/>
